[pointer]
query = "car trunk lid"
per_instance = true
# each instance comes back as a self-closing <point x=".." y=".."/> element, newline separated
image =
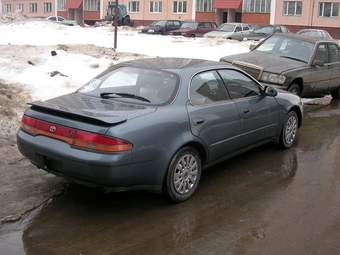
<point x="106" y="111"/>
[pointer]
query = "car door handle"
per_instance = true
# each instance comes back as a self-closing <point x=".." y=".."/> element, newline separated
<point x="198" y="121"/>
<point x="245" y="111"/>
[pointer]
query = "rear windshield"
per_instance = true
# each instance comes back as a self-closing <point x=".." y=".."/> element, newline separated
<point x="134" y="85"/>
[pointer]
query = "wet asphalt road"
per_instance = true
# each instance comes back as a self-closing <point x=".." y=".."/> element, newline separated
<point x="266" y="201"/>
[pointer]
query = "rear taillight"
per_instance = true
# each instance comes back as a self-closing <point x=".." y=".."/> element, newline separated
<point x="73" y="136"/>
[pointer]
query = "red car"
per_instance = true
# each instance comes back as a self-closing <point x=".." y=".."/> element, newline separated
<point x="194" y="28"/>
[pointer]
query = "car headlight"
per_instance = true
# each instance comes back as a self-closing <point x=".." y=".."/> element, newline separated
<point x="245" y="39"/>
<point x="273" y="78"/>
<point x="151" y="31"/>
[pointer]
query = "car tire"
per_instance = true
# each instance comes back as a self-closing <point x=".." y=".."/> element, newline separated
<point x="160" y="32"/>
<point x="295" y="89"/>
<point x="126" y="21"/>
<point x="192" y="36"/>
<point x="336" y="93"/>
<point x="183" y="175"/>
<point x="289" y="130"/>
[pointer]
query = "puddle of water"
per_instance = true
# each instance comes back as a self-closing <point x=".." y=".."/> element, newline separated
<point x="11" y="233"/>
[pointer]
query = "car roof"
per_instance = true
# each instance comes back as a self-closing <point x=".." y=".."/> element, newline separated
<point x="302" y="37"/>
<point x="172" y="64"/>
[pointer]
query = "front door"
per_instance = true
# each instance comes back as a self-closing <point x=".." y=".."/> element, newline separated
<point x="258" y="113"/>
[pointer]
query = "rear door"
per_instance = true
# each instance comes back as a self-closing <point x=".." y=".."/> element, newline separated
<point x="214" y="117"/>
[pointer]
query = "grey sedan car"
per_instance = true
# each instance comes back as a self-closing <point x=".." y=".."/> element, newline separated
<point x="155" y="124"/>
<point x="304" y="65"/>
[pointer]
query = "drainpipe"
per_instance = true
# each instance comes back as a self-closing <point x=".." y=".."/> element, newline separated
<point x="272" y="12"/>
<point x="311" y="15"/>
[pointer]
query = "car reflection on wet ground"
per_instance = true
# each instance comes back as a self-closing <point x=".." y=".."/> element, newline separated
<point x="261" y="202"/>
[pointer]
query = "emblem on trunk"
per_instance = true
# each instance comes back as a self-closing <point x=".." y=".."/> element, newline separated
<point x="53" y="129"/>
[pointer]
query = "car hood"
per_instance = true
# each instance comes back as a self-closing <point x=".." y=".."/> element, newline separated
<point x="270" y="62"/>
<point x="183" y="30"/>
<point x="257" y="36"/>
<point x="218" y="33"/>
<point x="104" y="110"/>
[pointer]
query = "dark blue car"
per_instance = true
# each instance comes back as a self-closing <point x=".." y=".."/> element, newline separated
<point x="162" y="27"/>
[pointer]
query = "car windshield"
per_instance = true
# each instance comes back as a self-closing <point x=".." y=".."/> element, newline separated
<point x="160" y="23"/>
<point x="287" y="48"/>
<point x="226" y="28"/>
<point x="133" y="85"/>
<point x="264" y="30"/>
<point x="188" y="25"/>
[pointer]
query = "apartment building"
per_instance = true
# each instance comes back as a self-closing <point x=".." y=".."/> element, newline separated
<point x="294" y="14"/>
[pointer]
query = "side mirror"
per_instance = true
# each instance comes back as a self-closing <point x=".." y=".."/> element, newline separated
<point x="269" y="91"/>
<point x="318" y="63"/>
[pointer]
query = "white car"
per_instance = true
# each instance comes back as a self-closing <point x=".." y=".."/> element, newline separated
<point x="234" y="31"/>
<point x="62" y="20"/>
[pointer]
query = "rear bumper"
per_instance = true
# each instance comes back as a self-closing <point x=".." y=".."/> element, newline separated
<point x="110" y="171"/>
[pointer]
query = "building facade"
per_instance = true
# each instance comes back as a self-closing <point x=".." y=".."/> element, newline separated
<point x="294" y="14"/>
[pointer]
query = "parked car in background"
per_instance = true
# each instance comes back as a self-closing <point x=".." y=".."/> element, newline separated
<point x="303" y="65"/>
<point x="262" y="32"/>
<point x="194" y="28"/>
<point x="315" y="32"/>
<point x="162" y="27"/>
<point x="155" y="124"/>
<point x="62" y="20"/>
<point x="234" y="31"/>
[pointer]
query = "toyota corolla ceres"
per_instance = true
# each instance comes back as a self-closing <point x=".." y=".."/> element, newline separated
<point x="155" y="124"/>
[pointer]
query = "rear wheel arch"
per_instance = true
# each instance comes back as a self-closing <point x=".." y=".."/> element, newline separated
<point x="184" y="171"/>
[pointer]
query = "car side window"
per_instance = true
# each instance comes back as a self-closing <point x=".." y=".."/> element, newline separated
<point x="334" y="53"/>
<point x="322" y="53"/>
<point x="277" y="30"/>
<point x="177" y="24"/>
<point x="238" y="28"/>
<point x="200" y="25"/>
<point x="238" y="84"/>
<point x="207" y="25"/>
<point x="170" y="24"/>
<point x="245" y="27"/>
<point x="207" y="88"/>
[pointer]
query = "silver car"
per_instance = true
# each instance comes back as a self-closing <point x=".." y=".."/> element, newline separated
<point x="155" y="124"/>
<point x="234" y="31"/>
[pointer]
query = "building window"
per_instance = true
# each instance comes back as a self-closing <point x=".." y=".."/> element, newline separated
<point x="328" y="9"/>
<point x="60" y="5"/>
<point x="7" y="8"/>
<point x="133" y="6"/>
<point x="204" y="6"/>
<point x="292" y="8"/>
<point x="33" y="7"/>
<point x="156" y="6"/>
<point x="92" y="5"/>
<point x="180" y="7"/>
<point x="20" y="7"/>
<point x="257" y="6"/>
<point x="47" y="7"/>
